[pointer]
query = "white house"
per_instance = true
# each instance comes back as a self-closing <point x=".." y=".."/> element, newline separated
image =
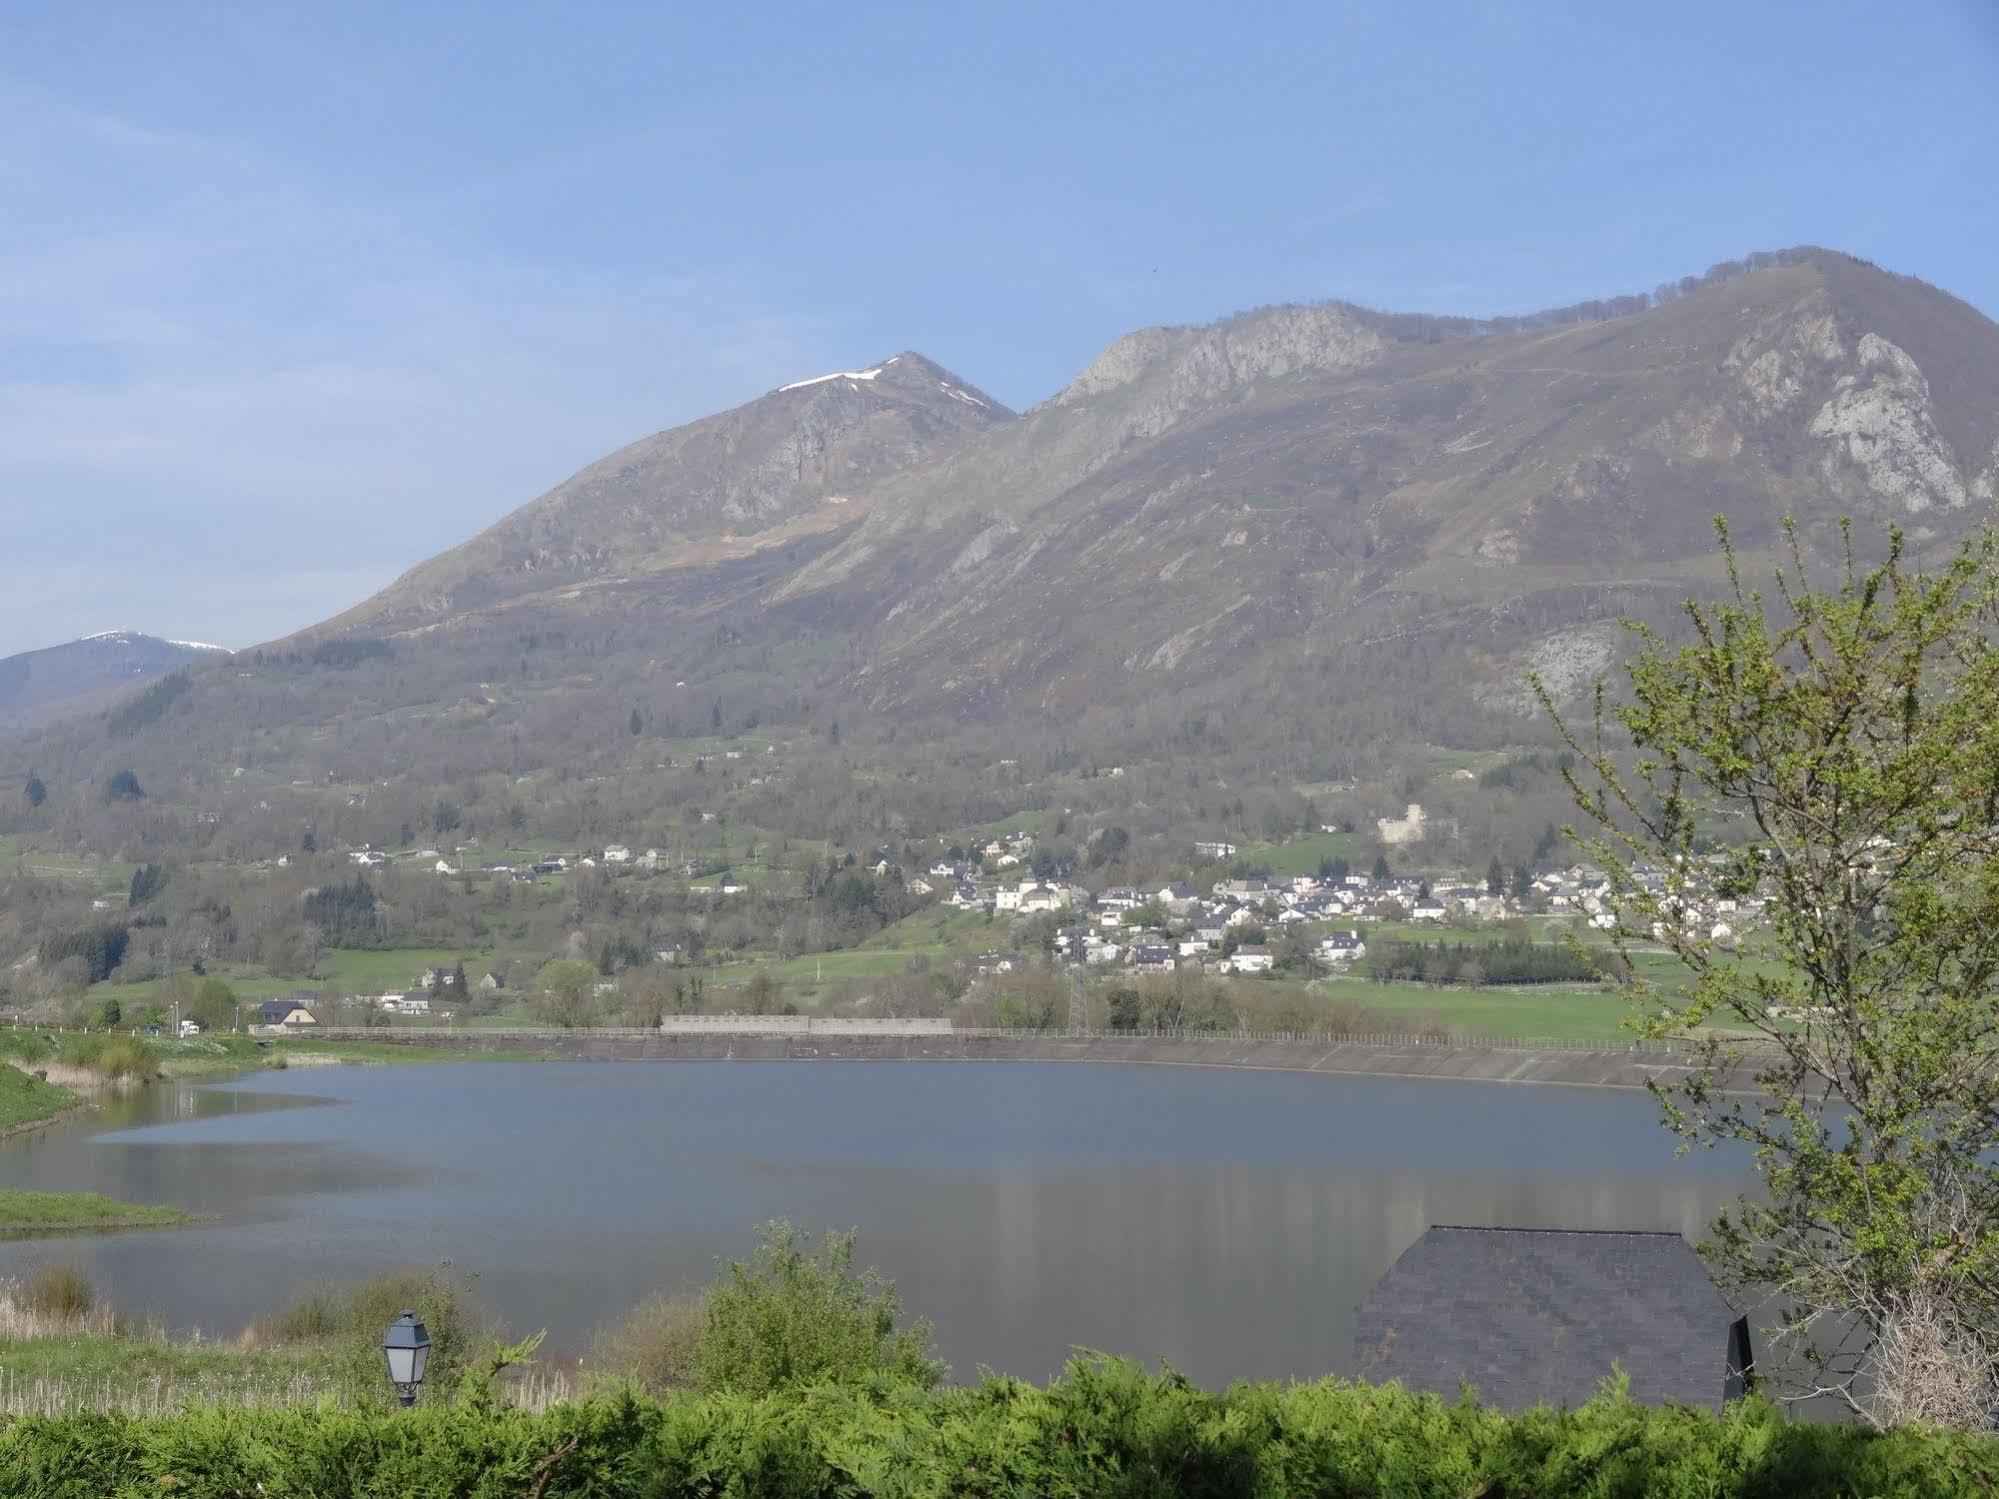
<point x="1341" y="947"/>
<point x="1252" y="960"/>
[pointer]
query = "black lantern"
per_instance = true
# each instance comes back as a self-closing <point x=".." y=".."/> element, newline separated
<point x="406" y="1346"/>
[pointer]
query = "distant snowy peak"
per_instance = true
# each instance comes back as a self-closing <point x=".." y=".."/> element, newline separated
<point x="911" y="373"/>
<point x="88" y="675"/>
<point x="139" y="637"/>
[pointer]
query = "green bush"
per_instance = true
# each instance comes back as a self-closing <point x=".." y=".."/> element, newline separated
<point x="350" y="1322"/>
<point x="1106" y="1428"/>
<point x="115" y="1058"/>
<point x="656" y="1344"/>
<point x="794" y="1315"/>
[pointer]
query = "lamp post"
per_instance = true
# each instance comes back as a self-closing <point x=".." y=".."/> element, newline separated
<point x="406" y="1345"/>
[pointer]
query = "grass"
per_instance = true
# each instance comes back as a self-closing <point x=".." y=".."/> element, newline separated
<point x="133" y="998"/>
<point x="55" y="1375"/>
<point x="935" y="932"/>
<point x="358" y="971"/>
<point x="1554" y="1012"/>
<point x="1301" y="857"/>
<point x="36" y="1213"/>
<point x="27" y="1100"/>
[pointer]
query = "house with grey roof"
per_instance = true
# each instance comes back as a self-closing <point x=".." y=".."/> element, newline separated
<point x="1532" y="1316"/>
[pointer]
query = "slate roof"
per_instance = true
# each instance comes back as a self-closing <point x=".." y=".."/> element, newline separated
<point x="273" y="1011"/>
<point x="1540" y="1315"/>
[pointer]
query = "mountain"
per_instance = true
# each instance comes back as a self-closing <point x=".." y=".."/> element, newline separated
<point x="1303" y="545"/>
<point x="1300" y="483"/>
<point x="60" y="681"/>
<point x="799" y="462"/>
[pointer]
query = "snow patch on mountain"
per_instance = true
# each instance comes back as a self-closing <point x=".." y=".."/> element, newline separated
<point x="836" y="375"/>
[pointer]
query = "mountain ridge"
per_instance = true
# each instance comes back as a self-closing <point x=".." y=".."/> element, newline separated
<point x="82" y="676"/>
<point x="798" y="460"/>
<point x="1327" y="537"/>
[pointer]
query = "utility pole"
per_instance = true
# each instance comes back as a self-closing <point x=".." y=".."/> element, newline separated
<point x="1079" y="1004"/>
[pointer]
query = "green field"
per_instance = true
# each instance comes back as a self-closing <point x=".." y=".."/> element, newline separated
<point x="1558" y="1013"/>
<point x="358" y="971"/>
<point x="935" y="932"/>
<point x="29" y="1214"/>
<point x="1302" y="857"/>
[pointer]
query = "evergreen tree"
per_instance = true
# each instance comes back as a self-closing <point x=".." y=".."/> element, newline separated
<point x="1381" y="866"/>
<point x="36" y="792"/>
<point x="147" y="881"/>
<point x="123" y="787"/>
<point x="1495" y="877"/>
<point x="638" y="723"/>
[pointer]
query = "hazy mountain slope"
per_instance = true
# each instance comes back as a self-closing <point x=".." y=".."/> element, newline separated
<point x="40" y="687"/>
<point x="1295" y="544"/>
<point x="800" y="461"/>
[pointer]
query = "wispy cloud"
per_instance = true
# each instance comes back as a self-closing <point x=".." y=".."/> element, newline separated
<point x="212" y="370"/>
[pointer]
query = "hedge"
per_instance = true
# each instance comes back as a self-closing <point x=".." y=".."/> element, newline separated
<point x="1105" y="1428"/>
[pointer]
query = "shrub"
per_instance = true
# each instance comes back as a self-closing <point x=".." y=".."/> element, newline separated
<point x="57" y="1290"/>
<point x="113" y="1058"/>
<point x="656" y="1344"/>
<point x="350" y="1322"/>
<point x="308" y="1318"/>
<point x="794" y="1315"/>
<point x="1106" y="1427"/>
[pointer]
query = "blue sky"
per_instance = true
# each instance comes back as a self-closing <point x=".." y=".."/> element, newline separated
<point x="292" y="297"/>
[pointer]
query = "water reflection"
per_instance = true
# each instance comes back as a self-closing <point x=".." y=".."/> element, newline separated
<point x="1226" y="1221"/>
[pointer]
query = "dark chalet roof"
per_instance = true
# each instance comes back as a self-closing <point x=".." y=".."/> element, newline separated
<point x="1531" y="1316"/>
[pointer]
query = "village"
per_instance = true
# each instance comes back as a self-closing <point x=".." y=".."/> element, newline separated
<point x="1242" y="924"/>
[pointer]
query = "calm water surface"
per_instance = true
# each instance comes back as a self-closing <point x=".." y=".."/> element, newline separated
<point x="1227" y="1221"/>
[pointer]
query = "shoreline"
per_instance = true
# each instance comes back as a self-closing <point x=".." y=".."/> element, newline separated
<point x="1580" y="1066"/>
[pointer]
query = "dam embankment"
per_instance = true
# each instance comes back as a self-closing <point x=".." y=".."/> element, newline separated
<point x="1564" y="1064"/>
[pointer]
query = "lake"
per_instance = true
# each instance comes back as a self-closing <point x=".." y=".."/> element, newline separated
<point x="1225" y="1221"/>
